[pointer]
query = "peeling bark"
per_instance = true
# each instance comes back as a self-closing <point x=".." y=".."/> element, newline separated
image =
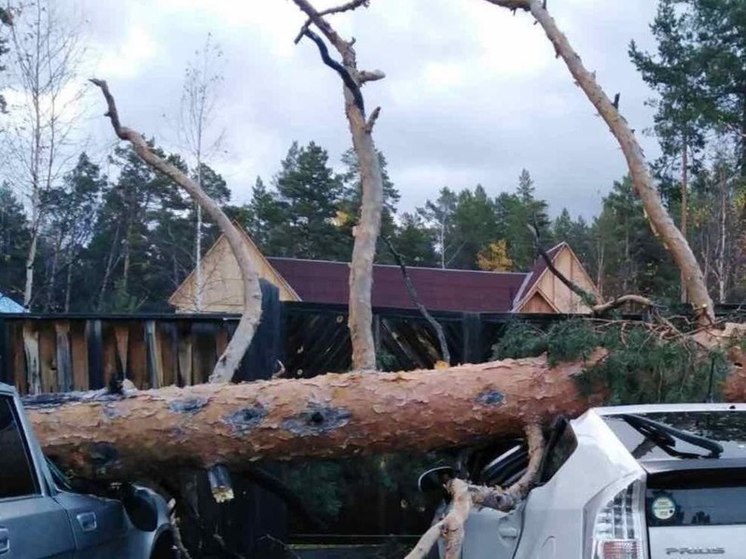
<point x="143" y="432"/>
<point x="252" y="295"/>
<point x="658" y="218"/>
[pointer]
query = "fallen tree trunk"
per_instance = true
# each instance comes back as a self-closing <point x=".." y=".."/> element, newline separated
<point x="140" y="432"/>
<point x="137" y="433"/>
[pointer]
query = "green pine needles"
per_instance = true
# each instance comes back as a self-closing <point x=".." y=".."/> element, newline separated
<point x="645" y="364"/>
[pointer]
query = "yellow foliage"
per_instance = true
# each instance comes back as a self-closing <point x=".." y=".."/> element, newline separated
<point x="495" y="257"/>
<point x="342" y="218"/>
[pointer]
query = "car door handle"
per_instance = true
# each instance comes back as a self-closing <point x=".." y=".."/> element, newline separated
<point x="87" y="521"/>
<point x="4" y="541"/>
<point x="507" y="531"/>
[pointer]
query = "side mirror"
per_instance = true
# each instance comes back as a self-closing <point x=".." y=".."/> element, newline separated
<point x="435" y="478"/>
<point x="140" y="506"/>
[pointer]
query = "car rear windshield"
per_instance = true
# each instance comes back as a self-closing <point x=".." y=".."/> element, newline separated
<point x="701" y="506"/>
<point x="728" y="428"/>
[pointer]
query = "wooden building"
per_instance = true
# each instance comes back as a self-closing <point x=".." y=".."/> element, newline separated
<point x="317" y="281"/>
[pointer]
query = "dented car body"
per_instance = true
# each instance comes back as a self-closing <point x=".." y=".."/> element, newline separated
<point x="627" y="482"/>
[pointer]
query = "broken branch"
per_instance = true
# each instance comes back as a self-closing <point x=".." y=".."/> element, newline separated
<point x="372" y="120"/>
<point x="658" y="218"/>
<point x="337" y="67"/>
<point x="444" y="352"/>
<point x="252" y="296"/>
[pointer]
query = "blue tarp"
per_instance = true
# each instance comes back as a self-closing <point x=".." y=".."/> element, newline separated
<point x="8" y="305"/>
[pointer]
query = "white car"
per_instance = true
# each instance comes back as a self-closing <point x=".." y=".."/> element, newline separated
<point x="627" y="482"/>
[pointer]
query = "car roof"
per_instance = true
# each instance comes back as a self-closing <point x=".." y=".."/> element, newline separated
<point x="669" y="408"/>
<point x="724" y="424"/>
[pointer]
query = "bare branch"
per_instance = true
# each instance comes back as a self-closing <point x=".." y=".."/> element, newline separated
<point x="426" y="542"/>
<point x="603" y="308"/>
<point x="445" y="354"/>
<point x="465" y="496"/>
<point x="111" y="111"/>
<point x="370" y="76"/>
<point x="587" y="298"/>
<point x="372" y="120"/>
<point x="658" y="217"/>
<point x="353" y="4"/>
<point x="318" y="20"/>
<point x="234" y="352"/>
<point x="336" y="66"/>
<point x="512" y="4"/>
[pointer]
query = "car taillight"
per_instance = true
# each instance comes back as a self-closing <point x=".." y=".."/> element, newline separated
<point x="618" y="528"/>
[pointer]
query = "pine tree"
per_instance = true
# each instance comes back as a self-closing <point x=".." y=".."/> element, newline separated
<point x="15" y="237"/>
<point x="71" y="209"/>
<point x="414" y="242"/>
<point x="350" y="206"/>
<point x="309" y="197"/>
<point x="517" y="211"/>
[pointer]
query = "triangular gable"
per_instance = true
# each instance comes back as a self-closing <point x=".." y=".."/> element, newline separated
<point x="179" y="296"/>
<point x="533" y="283"/>
<point x="527" y="302"/>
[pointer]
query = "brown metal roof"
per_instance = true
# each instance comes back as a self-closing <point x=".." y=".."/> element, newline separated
<point x="318" y="281"/>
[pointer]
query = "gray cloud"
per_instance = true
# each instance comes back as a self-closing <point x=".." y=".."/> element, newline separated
<point x="472" y="94"/>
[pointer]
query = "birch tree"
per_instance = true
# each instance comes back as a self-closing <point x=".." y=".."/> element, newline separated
<point x="46" y="54"/>
<point x="199" y="132"/>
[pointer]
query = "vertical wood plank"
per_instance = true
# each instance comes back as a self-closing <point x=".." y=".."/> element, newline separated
<point x="31" y="352"/>
<point x="63" y="356"/>
<point x="121" y="341"/>
<point x="95" y="342"/>
<point x="204" y="355"/>
<point x="19" y="359"/>
<point x="138" y="359"/>
<point x="79" y="355"/>
<point x="166" y="332"/>
<point x="186" y="377"/>
<point x="47" y="356"/>
<point x="110" y="366"/>
<point x="155" y="360"/>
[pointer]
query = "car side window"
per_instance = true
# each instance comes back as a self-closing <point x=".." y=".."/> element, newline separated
<point x="561" y="446"/>
<point x="17" y="478"/>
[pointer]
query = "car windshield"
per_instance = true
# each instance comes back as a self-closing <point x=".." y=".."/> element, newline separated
<point x="672" y="435"/>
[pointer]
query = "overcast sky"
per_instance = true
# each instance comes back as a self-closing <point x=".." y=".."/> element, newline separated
<point x="472" y="93"/>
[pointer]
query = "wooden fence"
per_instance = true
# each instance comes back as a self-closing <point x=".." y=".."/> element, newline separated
<point x="82" y="352"/>
<point x="52" y="353"/>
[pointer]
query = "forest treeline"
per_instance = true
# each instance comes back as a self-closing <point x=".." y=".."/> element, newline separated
<point x="125" y="239"/>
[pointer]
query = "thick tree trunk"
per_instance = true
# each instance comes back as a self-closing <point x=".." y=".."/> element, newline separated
<point x="366" y="232"/>
<point x="335" y="414"/>
<point x="143" y="432"/>
<point x="658" y="218"/>
<point x="366" y="236"/>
